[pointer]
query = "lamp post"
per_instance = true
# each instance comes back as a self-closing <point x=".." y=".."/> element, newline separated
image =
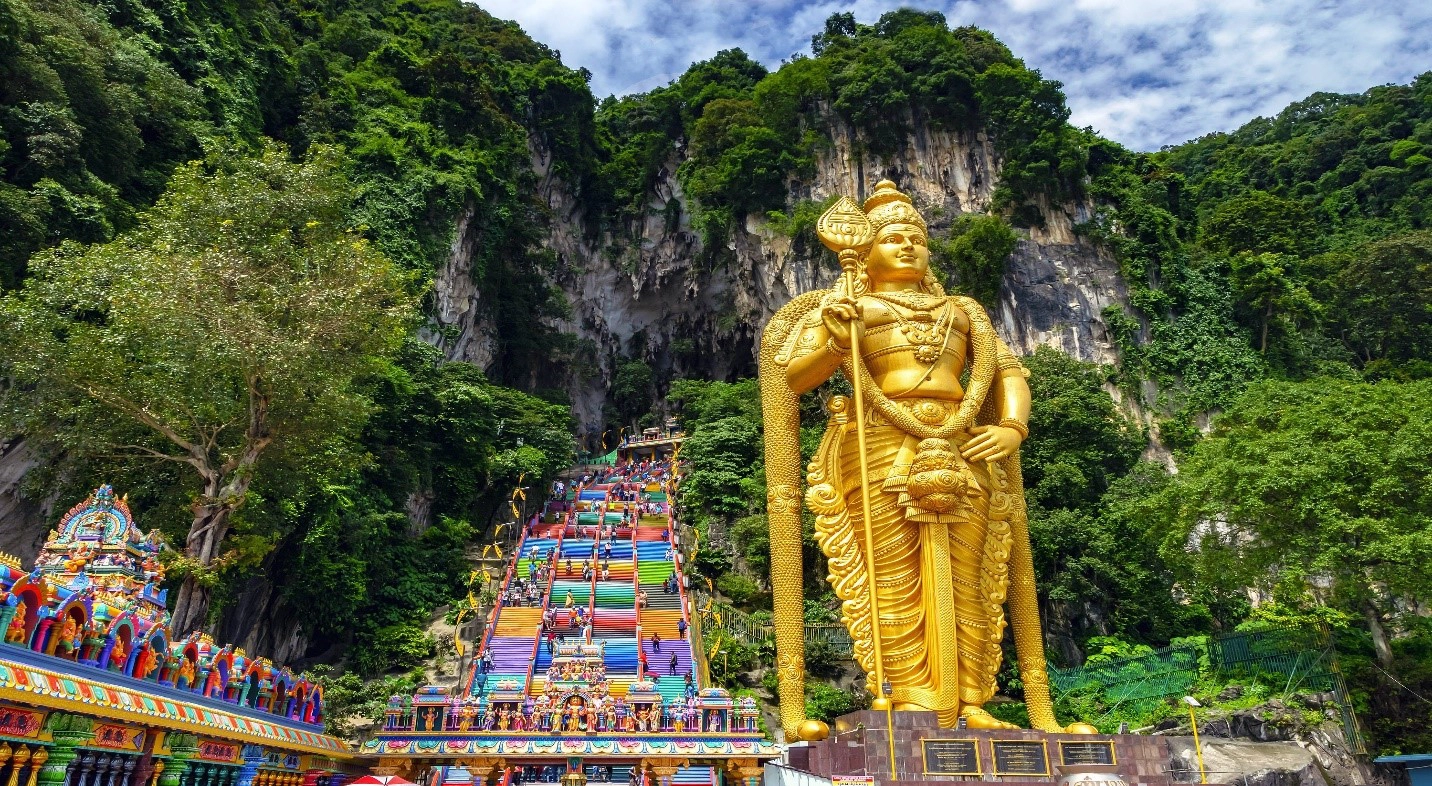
<point x="888" y="691"/>
<point x="1197" y="748"/>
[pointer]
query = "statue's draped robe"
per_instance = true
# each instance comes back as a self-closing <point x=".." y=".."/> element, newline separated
<point x="942" y="576"/>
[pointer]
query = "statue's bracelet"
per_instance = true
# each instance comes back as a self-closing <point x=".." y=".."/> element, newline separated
<point x="834" y="348"/>
<point x="1017" y="426"/>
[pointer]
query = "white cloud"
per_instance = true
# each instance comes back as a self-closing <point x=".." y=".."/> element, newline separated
<point x="1143" y="72"/>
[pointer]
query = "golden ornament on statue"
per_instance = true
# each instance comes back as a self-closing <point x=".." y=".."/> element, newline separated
<point x="916" y="485"/>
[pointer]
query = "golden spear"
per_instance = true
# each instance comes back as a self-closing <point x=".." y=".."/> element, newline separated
<point x="846" y="230"/>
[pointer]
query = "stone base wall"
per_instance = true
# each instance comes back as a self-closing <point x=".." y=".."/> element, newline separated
<point x="859" y="744"/>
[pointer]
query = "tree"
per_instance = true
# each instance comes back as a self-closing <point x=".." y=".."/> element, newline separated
<point x="978" y="247"/>
<point x="229" y="326"/>
<point x="1381" y="297"/>
<point x="632" y="390"/>
<point x="1265" y="285"/>
<point x="1258" y="222"/>
<point x="1314" y="484"/>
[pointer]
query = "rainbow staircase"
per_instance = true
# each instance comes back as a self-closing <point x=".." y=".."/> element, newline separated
<point x="625" y="562"/>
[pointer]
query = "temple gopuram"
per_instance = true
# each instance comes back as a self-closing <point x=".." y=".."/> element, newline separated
<point x="589" y="670"/>
<point x="95" y="690"/>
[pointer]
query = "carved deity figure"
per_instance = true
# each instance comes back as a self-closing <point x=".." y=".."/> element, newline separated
<point x="118" y="655"/>
<point x="916" y="485"/>
<point x="144" y="662"/>
<point x="68" y="638"/>
<point x="15" y="634"/>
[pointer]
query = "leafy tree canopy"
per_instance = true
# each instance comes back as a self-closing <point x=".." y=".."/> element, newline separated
<point x="235" y="318"/>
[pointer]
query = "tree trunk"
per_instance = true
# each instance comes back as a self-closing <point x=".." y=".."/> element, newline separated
<point x="1267" y="317"/>
<point x="206" y="536"/>
<point x="1380" y="645"/>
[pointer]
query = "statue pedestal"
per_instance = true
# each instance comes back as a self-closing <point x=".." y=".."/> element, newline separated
<point x="859" y="744"/>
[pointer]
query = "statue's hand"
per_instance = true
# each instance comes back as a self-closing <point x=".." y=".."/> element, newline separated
<point x="838" y="314"/>
<point x="991" y="443"/>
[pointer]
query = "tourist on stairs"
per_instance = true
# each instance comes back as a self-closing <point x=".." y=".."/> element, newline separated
<point x="655" y="641"/>
<point x="681" y="628"/>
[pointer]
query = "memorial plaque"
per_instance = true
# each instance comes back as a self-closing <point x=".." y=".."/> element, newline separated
<point x="1020" y="757"/>
<point x="951" y="757"/>
<point x="1092" y="752"/>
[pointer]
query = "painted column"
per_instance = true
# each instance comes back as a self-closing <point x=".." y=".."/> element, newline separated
<point x="253" y="756"/>
<point x="482" y="768"/>
<point x="116" y="770"/>
<point x="182" y="748"/>
<point x="746" y="772"/>
<point x="37" y="761"/>
<point x="69" y="731"/>
<point x="18" y="760"/>
<point x="80" y="776"/>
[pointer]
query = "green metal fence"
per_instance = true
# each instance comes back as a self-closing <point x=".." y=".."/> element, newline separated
<point x="1285" y="659"/>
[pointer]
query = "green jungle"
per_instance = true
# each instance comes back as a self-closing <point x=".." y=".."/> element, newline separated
<point x="154" y="155"/>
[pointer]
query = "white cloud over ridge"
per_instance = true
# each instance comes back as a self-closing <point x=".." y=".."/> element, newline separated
<point x="1147" y="73"/>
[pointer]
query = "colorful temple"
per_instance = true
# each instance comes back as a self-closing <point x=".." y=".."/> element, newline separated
<point x="587" y="671"/>
<point x="95" y="690"/>
<point x="651" y="445"/>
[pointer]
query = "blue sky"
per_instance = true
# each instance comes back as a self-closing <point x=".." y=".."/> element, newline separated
<point x="1147" y="73"/>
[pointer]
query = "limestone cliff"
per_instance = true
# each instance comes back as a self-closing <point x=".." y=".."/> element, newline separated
<point x="652" y="293"/>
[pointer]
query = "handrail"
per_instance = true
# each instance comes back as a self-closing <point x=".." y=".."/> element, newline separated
<point x="636" y="597"/>
<point x="497" y="605"/>
<point x="592" y="592"/>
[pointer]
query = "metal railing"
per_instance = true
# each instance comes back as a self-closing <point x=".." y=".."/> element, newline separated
<point x="1285" y="659"/>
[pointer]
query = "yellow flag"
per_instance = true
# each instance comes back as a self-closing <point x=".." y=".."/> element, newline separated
<point x="457" y="636"/>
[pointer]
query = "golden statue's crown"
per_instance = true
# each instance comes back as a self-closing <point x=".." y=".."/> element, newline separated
<point x="888" y="206"/>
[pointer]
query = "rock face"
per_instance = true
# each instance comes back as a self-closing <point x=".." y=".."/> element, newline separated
<point x="25" y="521"/>
<point x="656" y="292"/>
<point x="1269" y="746"/>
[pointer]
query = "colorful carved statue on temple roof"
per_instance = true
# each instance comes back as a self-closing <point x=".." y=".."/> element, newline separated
<point x="67" y="639"/>
<point x="145" y="662"/>
<point x="15" y="634"/>
<point x="118" y="655"/>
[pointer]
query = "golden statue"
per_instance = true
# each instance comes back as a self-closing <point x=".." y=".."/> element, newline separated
<point x="933" y="464"/>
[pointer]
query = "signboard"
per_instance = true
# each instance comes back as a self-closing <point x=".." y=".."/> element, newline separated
<point x="15" y="722"/>
<point x="1020" y="757"/>
<point x="852" y="780"/>
<point x="214" y="750"/>
<point x="951" y="757"/>
<point x="121" y="738"/>
<point x="1091" y="752"/>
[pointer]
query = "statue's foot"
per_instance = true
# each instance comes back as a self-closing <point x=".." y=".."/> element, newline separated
<point x="812" y="730"/>
<point x="1080" y="728"/>
<point x="979" y="718"/>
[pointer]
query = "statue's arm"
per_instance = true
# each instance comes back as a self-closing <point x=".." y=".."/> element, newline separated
<point x="1009" y="389"/>
<point x="815" y="360"/>
<point x="1012" y="392"/>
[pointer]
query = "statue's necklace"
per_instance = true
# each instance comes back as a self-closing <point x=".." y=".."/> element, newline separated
<point x="925" y="332"/>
